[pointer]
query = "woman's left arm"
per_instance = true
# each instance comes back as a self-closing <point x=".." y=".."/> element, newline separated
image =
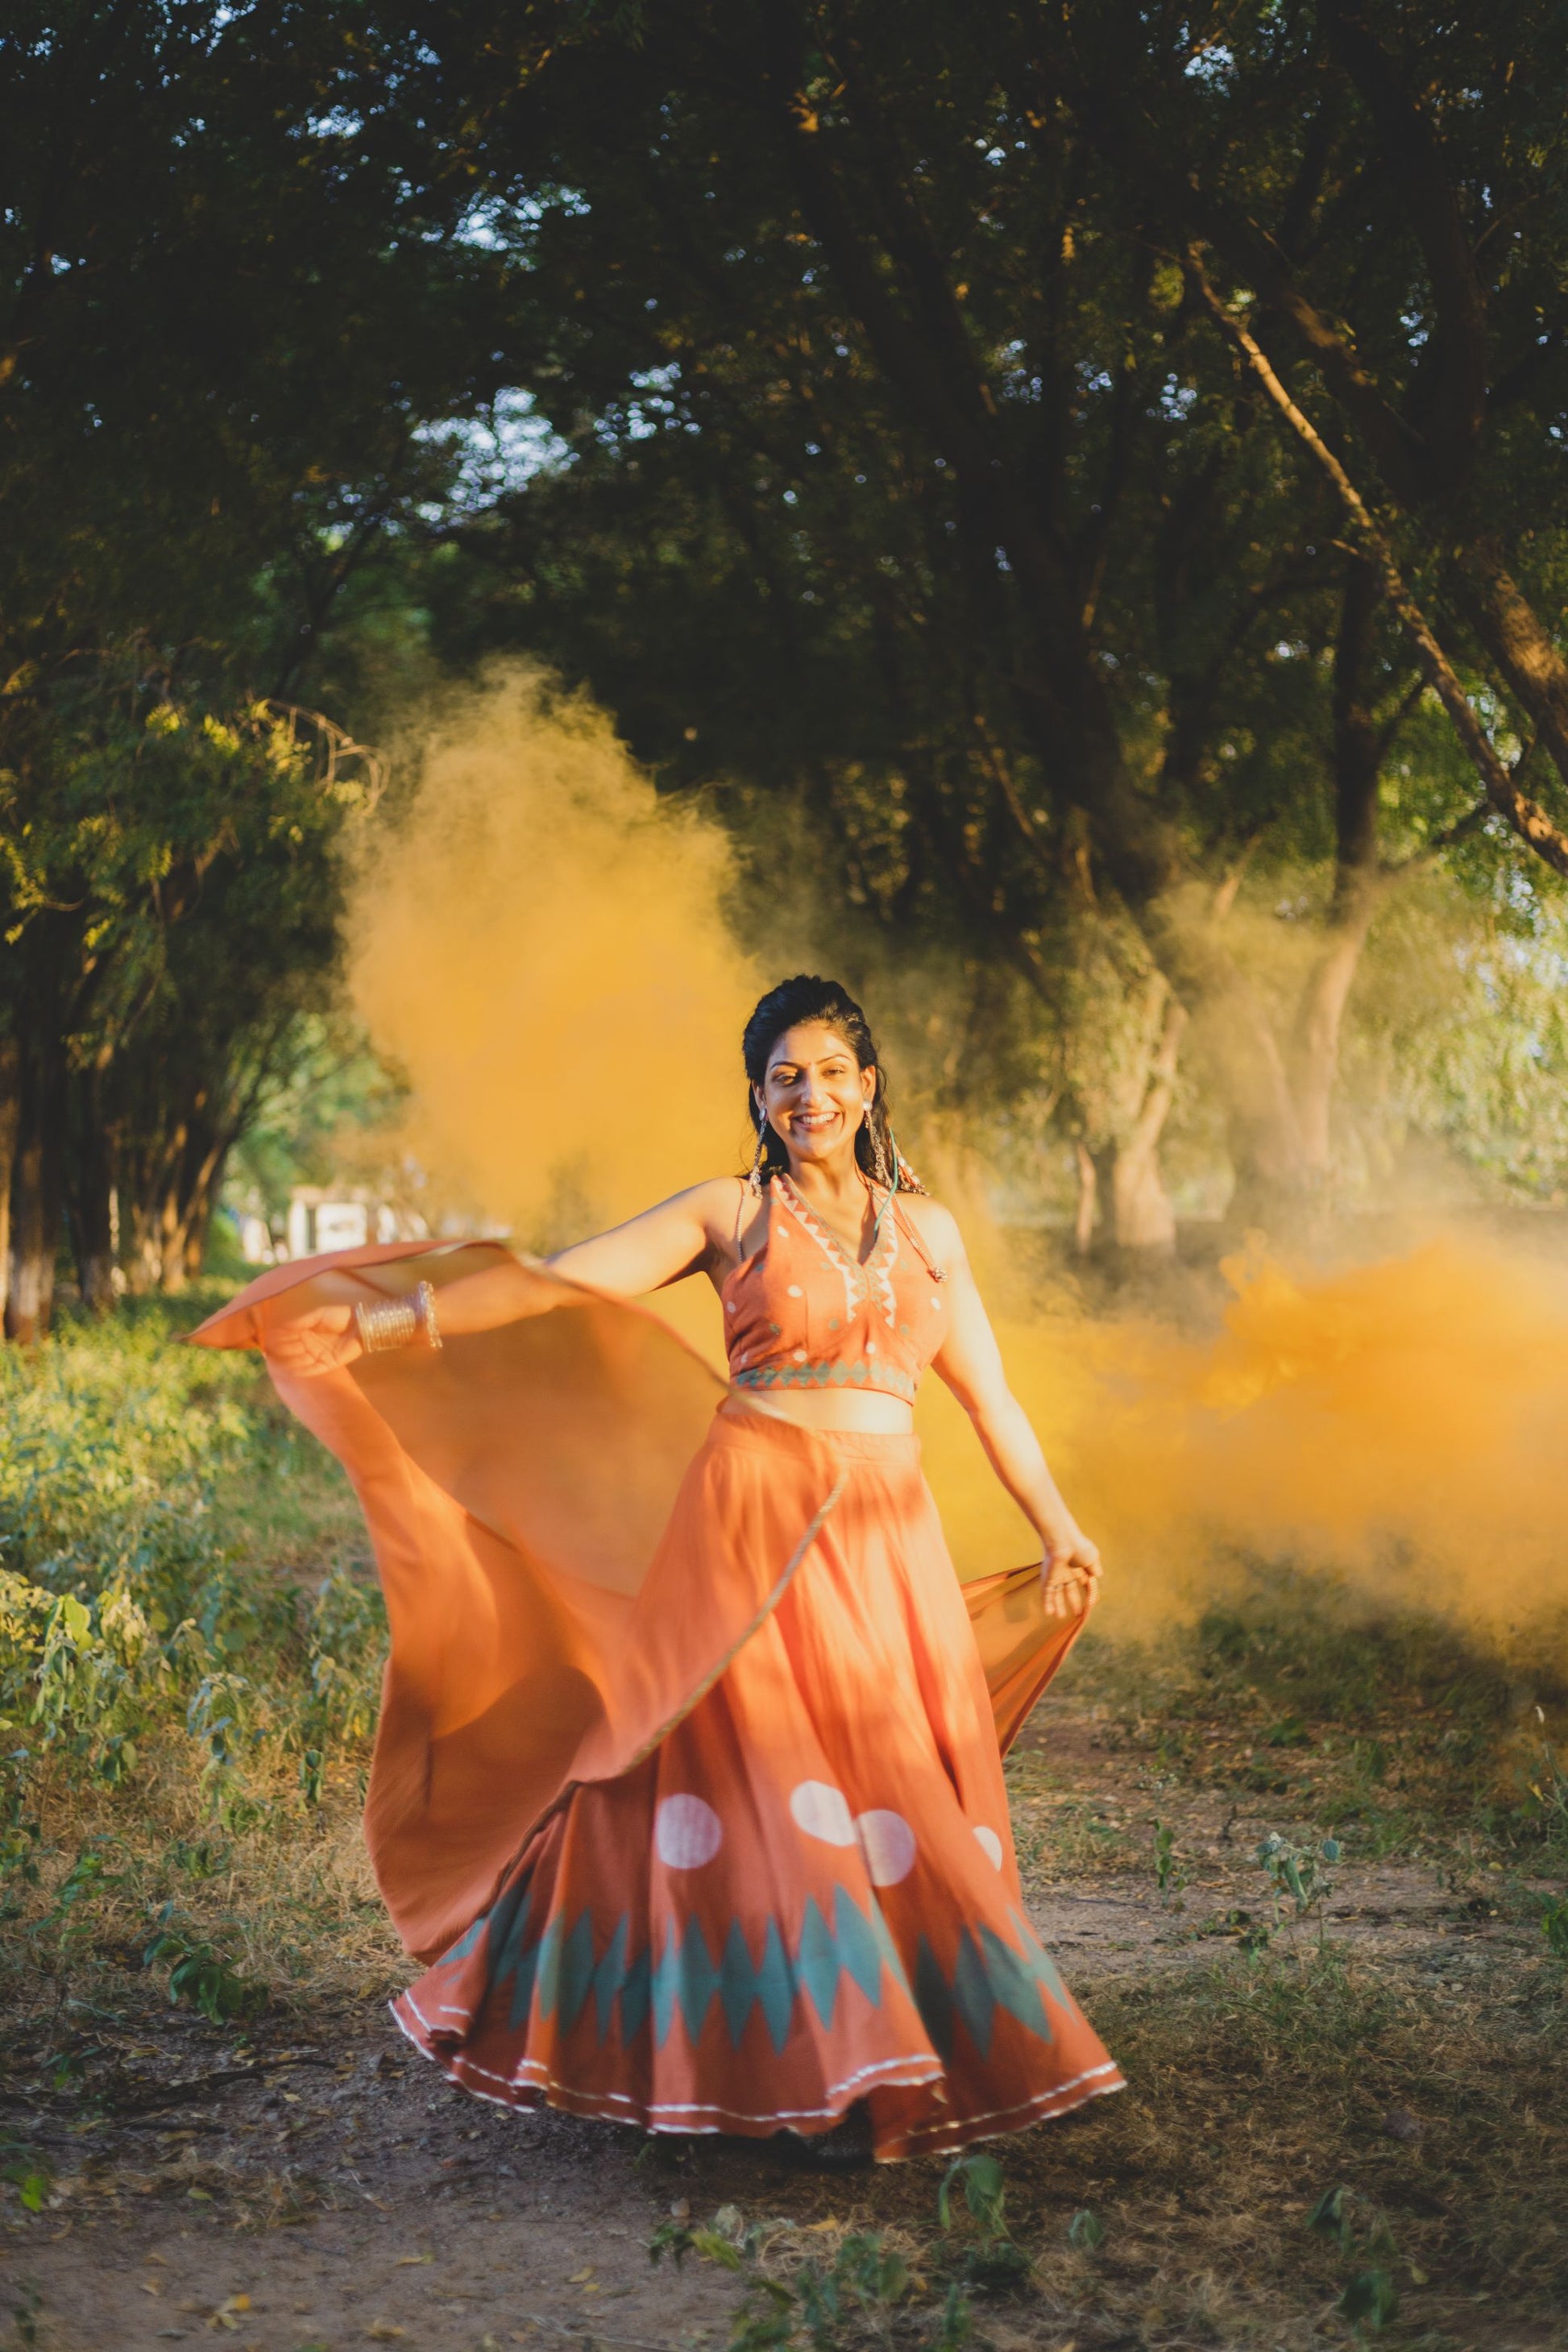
<point x="970" y="1362"/>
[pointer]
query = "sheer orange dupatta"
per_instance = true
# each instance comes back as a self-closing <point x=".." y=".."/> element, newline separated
<point x="516" y="1486"/>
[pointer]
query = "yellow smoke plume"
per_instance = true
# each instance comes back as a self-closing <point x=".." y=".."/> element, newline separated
<point x="541" y="944"/>
<point x="1400" y="1423"/>
<point x="537" y="942"/>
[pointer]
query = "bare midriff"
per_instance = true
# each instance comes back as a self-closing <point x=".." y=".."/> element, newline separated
<point x="865" y="1411"/>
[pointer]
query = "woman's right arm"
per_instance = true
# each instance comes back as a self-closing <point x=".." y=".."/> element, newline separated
<point x="311" y="1330"/>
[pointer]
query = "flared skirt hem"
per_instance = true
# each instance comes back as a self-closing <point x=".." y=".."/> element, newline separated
<point x="532" y="2085"/>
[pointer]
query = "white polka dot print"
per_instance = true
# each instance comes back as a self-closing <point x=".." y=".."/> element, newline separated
<point x="887" y="1843"/>
<point x="795" y="1291"/>
<point x="822" y="1812"/>
<point x="687" y="1832"/>
<point x="990" y="1845"/>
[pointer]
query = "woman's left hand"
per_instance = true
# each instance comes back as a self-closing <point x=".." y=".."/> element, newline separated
<point x="1070" y="1575"/>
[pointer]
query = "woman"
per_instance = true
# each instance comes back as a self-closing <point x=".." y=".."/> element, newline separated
<point x="688" y="1779"/>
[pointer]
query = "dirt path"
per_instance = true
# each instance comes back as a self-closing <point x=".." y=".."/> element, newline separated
<point x="340" y="2193"/>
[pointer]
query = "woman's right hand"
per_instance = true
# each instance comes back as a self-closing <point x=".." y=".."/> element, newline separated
<point x="323" y="1341"/>
<point x="1069" y="1574"/>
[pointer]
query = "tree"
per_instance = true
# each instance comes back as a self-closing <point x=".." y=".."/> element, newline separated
<point x="882" y="389"/>
<point x="231" y="326"/>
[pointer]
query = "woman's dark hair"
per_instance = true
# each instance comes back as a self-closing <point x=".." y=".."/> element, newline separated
<point x="809" y="997"/>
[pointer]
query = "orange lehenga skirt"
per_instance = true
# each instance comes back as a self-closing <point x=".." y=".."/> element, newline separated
<point x="688" y="1782"/>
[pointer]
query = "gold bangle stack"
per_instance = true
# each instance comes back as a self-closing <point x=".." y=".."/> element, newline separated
<point x="398" y="1322"/>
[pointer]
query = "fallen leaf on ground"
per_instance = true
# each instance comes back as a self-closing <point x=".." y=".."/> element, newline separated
<point x="411" y="2262"/>
<point x="382" y="2331"/>
<point x="578" y="2277"/>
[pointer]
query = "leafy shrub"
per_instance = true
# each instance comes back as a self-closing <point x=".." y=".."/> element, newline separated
<point x="133" y="1607"/>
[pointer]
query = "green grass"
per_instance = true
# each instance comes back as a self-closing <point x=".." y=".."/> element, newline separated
<point x="190" y="1647"/>
<point x="189" y="1652"/>
<point x="1403" y="1734"/>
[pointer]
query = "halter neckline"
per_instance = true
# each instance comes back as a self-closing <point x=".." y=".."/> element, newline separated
<point x="802" y="1206"/>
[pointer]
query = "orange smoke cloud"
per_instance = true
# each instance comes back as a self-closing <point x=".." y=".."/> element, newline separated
<point x="1399" y="1422"/>
<point x="541" y="944"/>
<point x="538" y="943"/>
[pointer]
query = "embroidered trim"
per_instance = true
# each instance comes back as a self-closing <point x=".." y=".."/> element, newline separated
<point x="533" y="2084"/>
<point x="829" y="1374"/>
<point x="858" y="1279"/>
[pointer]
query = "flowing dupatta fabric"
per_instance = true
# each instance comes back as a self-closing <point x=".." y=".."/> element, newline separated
<point x="517" y="1486"/>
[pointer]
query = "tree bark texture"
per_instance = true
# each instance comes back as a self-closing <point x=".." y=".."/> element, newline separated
<point x="35" y="1193"/>
<point x="1142" y="1217"/>
<point x="10" y="1109"/>
<point x="91" y="1193"/>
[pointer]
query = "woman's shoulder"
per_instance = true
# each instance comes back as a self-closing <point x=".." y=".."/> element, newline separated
<point x="718" y="1200"/>
<point x="937" y="1226"/>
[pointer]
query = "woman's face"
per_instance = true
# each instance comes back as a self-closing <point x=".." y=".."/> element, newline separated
<point x="815" y="1093"/>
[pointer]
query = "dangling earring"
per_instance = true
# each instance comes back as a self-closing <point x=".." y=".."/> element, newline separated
<point x="878" y="1153"/>
<point x="754" y="1181"/>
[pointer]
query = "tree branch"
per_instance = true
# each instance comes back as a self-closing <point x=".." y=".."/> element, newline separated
<point x="1526" y="817"/>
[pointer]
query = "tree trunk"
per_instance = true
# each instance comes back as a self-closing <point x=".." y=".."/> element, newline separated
<point x="147" y="1182"/>
<point x="35" y="1198"/>
<point x="199" y="1205"/>
<point x="1360" y="747"/>
<point x="1507" y="625"/>
<point x="92" y="1195"/>
<point x="174" y="1224"/>
<point x="10" y="1107"/>
<point x="1141" y="1217"/>
<point x="1317" y="1055"/>
<point x="1087" y="1199"/>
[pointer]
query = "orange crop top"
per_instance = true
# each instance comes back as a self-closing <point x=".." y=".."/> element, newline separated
<point x="801" y="1313"/>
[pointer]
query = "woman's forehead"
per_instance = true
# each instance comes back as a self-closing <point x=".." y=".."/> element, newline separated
<point x="808" y="1042"/>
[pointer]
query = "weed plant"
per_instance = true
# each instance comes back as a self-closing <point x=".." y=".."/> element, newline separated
<point x="190" y="1648"/>
<point x="1397" y="1732"/>
<point x="191" y="1645"/>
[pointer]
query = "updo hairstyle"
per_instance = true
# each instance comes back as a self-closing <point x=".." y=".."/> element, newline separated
<point x="809" y="997"/>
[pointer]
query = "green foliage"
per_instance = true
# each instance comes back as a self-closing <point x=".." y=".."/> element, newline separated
<point x="868" y="2284"/>
<point x="988" y="2260"/>
<point x="1543" y="1781"/>
<point x="678" y="2238"/>
<point x="1295" y="1872"/>
<point x="28" y="2174"/>
<point x="238" y="325"/>
<point x="1170" y="1876"/>
<point x="1554" y="1924"/>
<point x="1369" y="2298"/>
<point x="199" y="1974"/>
<point x="882" y="401"/>
<point x="984" y="2191"/>
<point x="132" y="1614"/>
<point x="325" y="1088"/>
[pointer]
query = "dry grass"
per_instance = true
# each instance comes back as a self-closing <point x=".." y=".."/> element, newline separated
<point x="1424" y="2078"/>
